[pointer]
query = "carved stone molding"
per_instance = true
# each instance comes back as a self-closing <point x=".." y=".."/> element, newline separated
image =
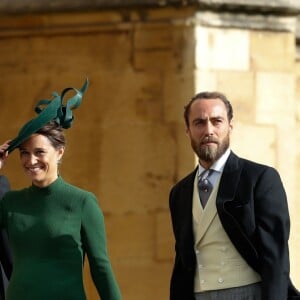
<point x="298" y="29"/>
<point x="275" y="6"/>
<point x="298" y="38"/>
<point x="247" y="21"/>
<point x="39" y="6"/>
<point x="34" y="6"/>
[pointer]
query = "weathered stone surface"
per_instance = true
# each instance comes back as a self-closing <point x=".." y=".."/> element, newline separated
<point x="246" y="137"/>
<point x="16" y="6"/>
<point x="128" y="143"/>
<point x="244" y="20"/>
<point x="275" y="97"/>
<point x="262" y="92"/>
<point x="286" y="6"/>
<point x="144" y="164"/>
<point x="271" y="51"/>
<point x="164" y="247"/>
<point x="139" y="229"/>
<point x="211" y="53"/>
<point x="145" y="279"/>
<point x="295" y="232"/>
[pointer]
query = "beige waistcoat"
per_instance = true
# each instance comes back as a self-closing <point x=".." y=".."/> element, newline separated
<point x="219" y="264"/>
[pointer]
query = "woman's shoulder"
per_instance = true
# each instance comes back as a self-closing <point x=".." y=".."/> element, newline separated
<point x="79" y="195"/>
<point x="14" y="196"/>
<point x="14" y="193"/>
<point x="76" y="190"/>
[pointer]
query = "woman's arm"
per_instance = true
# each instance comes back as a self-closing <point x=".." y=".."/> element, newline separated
<point x="94" y="242"/>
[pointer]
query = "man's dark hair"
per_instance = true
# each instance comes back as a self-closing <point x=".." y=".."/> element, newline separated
<point x="206" y="96"/>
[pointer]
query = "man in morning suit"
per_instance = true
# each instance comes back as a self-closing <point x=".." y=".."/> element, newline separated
<point x="234" y="246"/>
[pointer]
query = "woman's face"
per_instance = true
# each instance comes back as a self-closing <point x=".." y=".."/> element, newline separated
<point x="40" y="160"/>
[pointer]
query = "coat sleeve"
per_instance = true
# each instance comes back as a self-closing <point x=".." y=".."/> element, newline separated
<point x="182" y="279"/>
<point x="94" y="243"/>
<point x="273" y="227"/>
<point x="5" y="253"/>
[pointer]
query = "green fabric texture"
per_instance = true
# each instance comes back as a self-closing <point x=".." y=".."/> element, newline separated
<point x="50" y="229"/>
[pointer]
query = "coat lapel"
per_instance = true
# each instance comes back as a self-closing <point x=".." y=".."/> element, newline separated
<point x="229" y="180"/>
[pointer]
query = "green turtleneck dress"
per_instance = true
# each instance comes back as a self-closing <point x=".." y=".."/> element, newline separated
<point x="50" y="229"/>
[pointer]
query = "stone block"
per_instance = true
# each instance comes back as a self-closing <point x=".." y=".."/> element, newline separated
<point x="186" y="160"/>
<point x="295" y="242"/>
<point x="151" y="60"/>
<point x="137" y="165"/>
<point x="65" y="54"/>
<point x="164" y="47"/>
<point x="212" y="54"/>
<point x="165" y="14"/>
<point x="125" y="95"/>
<point x="80" y="142"/>
<point x="272" y="51"/>
<point x="255" y="142"/>
<point x="164" y="237"/>
<point x="297" y="91"/>
<point x="259" y="5"/>
<point x="178" y="89"/>
<point x="239" y="88"/>
<point x="205" y="81"/>
<point x="131" y="236"/>
<point x="152" y="36"/>
<point x="275" y="96"/>
<point x="183" y="50"/>
<point x="145" y="279"/>
<point x="286" y="158"/>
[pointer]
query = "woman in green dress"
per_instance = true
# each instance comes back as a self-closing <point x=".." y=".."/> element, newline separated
<point x="52" y="225"/>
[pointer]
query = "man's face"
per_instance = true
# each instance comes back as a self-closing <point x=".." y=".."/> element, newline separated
<point x="209" y="130"/>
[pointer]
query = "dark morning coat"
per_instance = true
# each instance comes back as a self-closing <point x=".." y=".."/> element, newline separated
<point x="252" y="206"/>
<point x="5" y="254"/>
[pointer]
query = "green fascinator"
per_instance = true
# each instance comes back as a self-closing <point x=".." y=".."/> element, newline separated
<point x="51" y="110"/>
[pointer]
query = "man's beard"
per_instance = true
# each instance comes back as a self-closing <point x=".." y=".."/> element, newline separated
<point x="210" y="154"/>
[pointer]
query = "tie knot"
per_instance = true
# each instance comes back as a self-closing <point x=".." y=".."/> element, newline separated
<point x="204" y="186"/>
<point x="205" y="174"/>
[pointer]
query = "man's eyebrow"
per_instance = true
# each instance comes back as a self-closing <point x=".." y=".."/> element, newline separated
<point x="197" y="119"/>
<point x="208" y="118"/>
<point x="217" y="117"/>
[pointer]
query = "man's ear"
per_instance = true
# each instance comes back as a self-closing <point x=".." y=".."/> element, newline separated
<point x="231" y="125"/>
<point x="187" y="131"/>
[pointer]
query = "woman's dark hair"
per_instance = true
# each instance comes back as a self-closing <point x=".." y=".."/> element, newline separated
<point x="205" y="96"/>
<point x="54" y="132"/>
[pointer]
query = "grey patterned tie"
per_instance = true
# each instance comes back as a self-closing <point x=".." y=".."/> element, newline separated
<point x="204" y="186"/>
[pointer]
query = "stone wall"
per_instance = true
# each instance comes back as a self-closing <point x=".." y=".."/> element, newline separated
<point x="256" y="69"/>
<point x="127" y="144"/>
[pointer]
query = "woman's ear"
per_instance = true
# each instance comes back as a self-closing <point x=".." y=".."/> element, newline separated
<point x="61" y="152"/>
